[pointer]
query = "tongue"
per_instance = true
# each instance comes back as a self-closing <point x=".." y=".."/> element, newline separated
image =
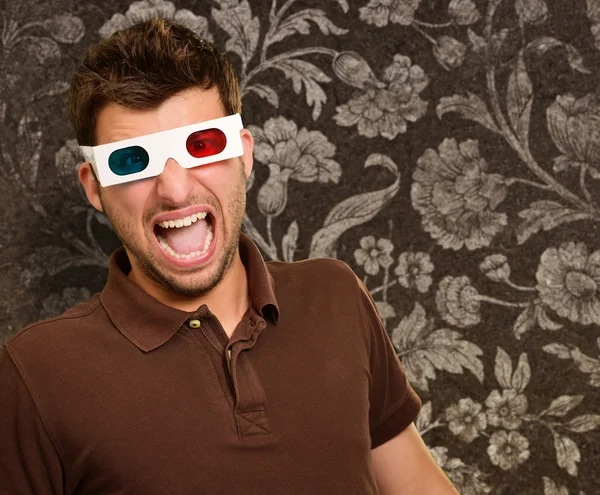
<point x="185" y="240"/>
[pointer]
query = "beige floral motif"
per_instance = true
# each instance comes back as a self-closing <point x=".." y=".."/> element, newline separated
<point x="147" y="9"/>
<point x="30" y="41"/>
<point x="413" y="271"/>
<point x="574" y="124"/>
<point x="569" y="282"/>
<point x="553" y="488"/>
<point x="585" y="363"/>
<point x="495" y="267"/>
<point x="508" y="450"/>
<point x="385" y="111"/>
<point x="373" y="254"/>
<point x="65" y="28"/>
<point x="228" y="4"/>
<point x="466" y="479"/>
<point x="66" y="160"/>
<point x="303" y="155"/>
<point x="385" y="310"/>
<point x="449" y="52"/>
<point x="456" y="197"/>
<point x="463" y="11"/>
<point x="272" y="195"/>
<point x="593" y="13"/>
<point x="457" y="301"/>
<point x="593" y="10"/>
<point x="532" y="11"/>
<point x="506" y="410"/>
<point x="354" y="70"/>
<point x="307" y="154"/>
<point x="440" y="454"/>
<point x="466" y="420"/>
<point x="380" y="12"/>
<point x="595" y="29"/>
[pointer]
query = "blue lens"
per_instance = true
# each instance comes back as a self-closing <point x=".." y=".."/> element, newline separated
<point x="128" y="160"/>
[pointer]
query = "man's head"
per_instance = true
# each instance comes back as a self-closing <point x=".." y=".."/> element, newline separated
<point x="153" y="77"/>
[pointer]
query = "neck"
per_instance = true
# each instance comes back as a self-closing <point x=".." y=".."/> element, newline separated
<point x="228" y="300"/>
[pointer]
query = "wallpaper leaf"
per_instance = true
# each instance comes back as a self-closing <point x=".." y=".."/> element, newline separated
<point x="551" y="488"/>
<point x="289" y="242"/>
<point x="471" y="107"/>
<point x="567" y="453"/>
<point x="545" y="215"/>
<point x="526" y="320"/>
<point x="265" y="92"/>
<point x="305" y="74"/>
<point x="355" y="210"/>
<point x="299" y="23"/>
<point x="519" y="98"/>
<point x="522" y="374"/>
<point x="424" y="419"/>
<point x="242" y="27"/>
<point x="30" y="145"/>
<point x="586" y="422"/>
<point x="503" y="368"/>
<point x="422" y="350"/>
<point x="575" y="59"/>
<point x="563" y="404"/>
<point x="545" y="321"/>
<point x="539" y="46"/>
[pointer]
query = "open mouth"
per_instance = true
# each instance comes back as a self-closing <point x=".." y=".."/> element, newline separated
<point x="187" y="238"/>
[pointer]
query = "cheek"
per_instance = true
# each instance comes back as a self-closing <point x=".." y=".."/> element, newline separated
<point x="128" y="202"/>
<point x="211" y="175"/>
<point x="220" y="180"/>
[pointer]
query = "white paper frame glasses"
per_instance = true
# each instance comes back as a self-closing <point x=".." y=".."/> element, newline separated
<point x="146" y="156"/>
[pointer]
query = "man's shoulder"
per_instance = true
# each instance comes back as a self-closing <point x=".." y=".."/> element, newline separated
<point x="329" y="274"/>
<point x="308" y="267"/>
<point x="52" y="332"/>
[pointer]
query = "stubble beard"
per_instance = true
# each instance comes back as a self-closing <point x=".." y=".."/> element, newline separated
<point x="149" y="263"/>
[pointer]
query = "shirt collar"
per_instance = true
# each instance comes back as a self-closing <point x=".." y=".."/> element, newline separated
<point x="148" y="323"/>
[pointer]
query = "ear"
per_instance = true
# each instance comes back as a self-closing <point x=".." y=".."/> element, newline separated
<point x="248" y="144"/>
<point x="90" y="184"/>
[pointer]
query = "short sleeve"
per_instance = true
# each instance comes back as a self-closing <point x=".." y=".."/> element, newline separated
<point x="29" y="463"/>
<point x="394" y="405"/>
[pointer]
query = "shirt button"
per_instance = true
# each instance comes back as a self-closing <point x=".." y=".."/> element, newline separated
<point x="194" y="323"/>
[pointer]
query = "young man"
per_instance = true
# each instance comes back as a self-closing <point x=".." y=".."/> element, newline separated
<point x="199" y="368"/>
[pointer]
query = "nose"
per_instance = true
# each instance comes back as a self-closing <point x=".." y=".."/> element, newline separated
<point x="174" y="184"/>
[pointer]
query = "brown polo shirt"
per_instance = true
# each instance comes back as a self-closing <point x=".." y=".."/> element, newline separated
<point x="124" y="395"/>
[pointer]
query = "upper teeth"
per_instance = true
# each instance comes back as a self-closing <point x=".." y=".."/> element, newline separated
<point x="183" y="222"/>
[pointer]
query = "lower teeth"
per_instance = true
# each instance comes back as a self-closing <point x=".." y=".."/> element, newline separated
<point x="193" y="254"/>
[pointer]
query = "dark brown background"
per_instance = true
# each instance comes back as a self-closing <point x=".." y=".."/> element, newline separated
<point x="448" y="151"/>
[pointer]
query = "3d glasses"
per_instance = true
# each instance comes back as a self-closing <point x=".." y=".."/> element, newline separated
<point x="145" y="156"/>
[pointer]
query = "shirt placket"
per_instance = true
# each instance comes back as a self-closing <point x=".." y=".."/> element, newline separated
<point x="248" y="392"/>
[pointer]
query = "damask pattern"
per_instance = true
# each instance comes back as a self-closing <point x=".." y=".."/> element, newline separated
<point x="448" y="150"/>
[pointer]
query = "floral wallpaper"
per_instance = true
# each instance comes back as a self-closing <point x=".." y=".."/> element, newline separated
<point x="447" y="150"/>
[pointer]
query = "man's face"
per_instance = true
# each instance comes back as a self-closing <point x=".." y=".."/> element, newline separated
<point x="134" y="208"/>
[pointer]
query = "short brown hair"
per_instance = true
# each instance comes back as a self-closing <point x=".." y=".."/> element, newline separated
<point x="142" y="66"/>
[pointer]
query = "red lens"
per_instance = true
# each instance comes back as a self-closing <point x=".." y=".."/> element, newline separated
<point x="205" y="143"/>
